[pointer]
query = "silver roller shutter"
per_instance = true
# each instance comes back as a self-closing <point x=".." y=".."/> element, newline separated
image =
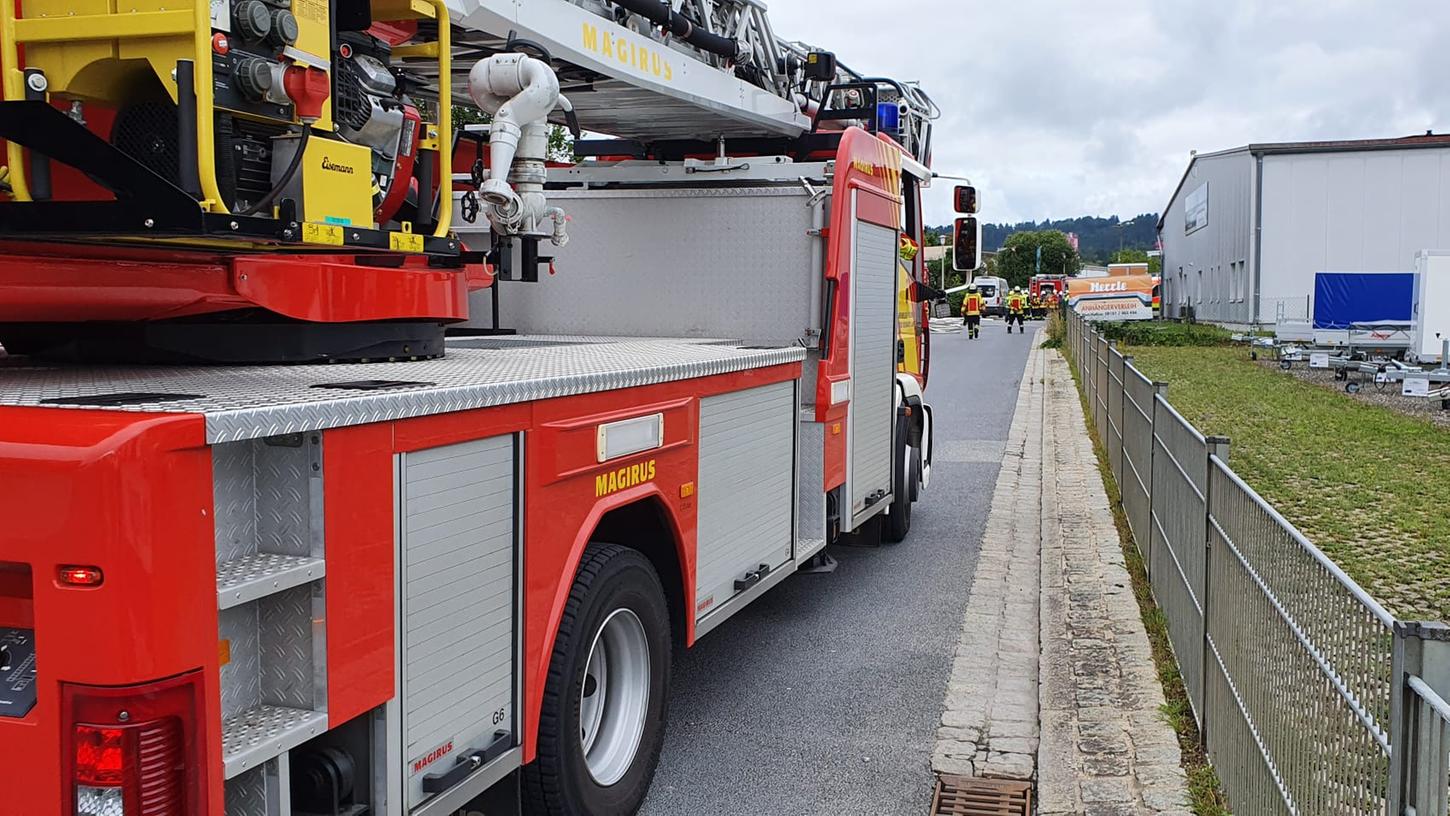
<point x="872" y="410"/>
<point x="458" y="603"/>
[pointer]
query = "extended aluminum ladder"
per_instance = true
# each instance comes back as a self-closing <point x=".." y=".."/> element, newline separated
<point x="627" y="77"/>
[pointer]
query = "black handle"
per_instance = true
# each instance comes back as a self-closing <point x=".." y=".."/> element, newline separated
<point x="752" y="578"/>
<point x="467" y="764"/>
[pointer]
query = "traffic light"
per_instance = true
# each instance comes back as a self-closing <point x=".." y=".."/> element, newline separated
<point x="965" y="199"/>
<point x="967" y="244"/>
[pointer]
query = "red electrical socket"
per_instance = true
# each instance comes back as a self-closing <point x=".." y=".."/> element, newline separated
<point x="308" y="89"/>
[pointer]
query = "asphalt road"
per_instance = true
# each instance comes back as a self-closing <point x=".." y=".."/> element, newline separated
<point x="823" y="696"/>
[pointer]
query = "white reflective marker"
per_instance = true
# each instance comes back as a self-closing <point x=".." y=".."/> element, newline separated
<point x="616" y="439"/>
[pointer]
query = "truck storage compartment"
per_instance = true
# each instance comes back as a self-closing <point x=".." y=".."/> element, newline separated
<point x="459" y="633"/>
<point x="746" y="519"/>
<point x="872" y="415"/>
<point x="733" y="263"/>
<point x="267" y="495"/>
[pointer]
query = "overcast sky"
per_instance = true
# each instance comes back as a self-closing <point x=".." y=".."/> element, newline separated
<point x="1058" y="109"/>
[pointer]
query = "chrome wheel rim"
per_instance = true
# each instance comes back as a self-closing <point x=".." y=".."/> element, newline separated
<point x="614" y="697"/>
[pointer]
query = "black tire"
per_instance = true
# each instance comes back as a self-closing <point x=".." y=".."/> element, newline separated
<point x="916" y="468"/>
<point x="898" y="518"/>
<point x="558" y="782"/>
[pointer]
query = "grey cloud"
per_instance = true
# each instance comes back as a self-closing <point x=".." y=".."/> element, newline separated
<point x="1059" y="109"/>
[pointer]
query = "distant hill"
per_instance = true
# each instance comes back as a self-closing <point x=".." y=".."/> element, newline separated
<point x="1098" y="238"/>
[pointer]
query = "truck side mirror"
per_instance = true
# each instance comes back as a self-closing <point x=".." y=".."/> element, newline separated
<point x="967" y="245"/>
<point x="965" y="198"/>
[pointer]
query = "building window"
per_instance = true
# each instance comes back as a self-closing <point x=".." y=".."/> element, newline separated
<point x="1195" y="210"/>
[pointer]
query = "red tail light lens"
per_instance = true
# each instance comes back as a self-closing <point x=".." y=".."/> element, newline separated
<point x="99" y="756"/>
<point x="135" y="751"/>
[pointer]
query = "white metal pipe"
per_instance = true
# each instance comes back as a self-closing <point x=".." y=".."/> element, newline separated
<point x="518" y="91"/>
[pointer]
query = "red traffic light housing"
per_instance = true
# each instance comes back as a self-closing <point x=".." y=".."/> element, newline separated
<point x="965" y="199"/>
<point x="966" y="244"/>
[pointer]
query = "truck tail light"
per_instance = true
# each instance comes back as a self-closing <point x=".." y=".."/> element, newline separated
<point x="142" y="764"/>
<point x="135" y="751"/>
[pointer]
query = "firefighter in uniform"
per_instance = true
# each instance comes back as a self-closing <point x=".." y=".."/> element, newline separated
<point x="972" y="312"/>
<point x="1034" y="306"/>
<point x="1016" y="305"/>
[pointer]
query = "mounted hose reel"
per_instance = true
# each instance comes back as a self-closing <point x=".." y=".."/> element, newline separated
<point x="519" y="93"/>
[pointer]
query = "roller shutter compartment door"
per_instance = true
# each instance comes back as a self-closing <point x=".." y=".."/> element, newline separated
<point x="872" y="410"/>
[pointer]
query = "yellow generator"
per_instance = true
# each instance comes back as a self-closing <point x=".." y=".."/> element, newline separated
<point x="262" y="124"/>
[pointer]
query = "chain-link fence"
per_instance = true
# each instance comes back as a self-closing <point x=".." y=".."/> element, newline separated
<point x="1310" y="697"/>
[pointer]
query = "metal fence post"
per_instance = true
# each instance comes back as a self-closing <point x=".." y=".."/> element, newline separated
<point x="1160" y="389"/>
<point x="1123" y="419"/>
<point x="1216" y="446"/>
<point x="1082" y="342"/>
<point x="1104" y="422"/>
<point x="1421" y="650"/>
<point x="1099" y="346"/>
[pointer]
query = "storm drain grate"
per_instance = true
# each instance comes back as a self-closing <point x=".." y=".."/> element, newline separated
<point x="964" y="796"/>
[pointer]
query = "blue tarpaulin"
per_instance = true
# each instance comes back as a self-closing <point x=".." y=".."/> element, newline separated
<point x="1342" y="298"/>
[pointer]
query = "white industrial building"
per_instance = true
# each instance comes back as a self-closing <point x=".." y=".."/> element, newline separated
<point x="1247" y="228"/>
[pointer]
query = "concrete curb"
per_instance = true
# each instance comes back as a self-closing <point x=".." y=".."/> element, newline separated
<point x="989" y="725"/>
<point x="1106" y="747"/>
<point x="1053" y="678"/>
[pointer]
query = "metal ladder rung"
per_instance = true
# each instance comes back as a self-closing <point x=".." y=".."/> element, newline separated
<point x="259" y="734"/>
<point x="256" y="576"/>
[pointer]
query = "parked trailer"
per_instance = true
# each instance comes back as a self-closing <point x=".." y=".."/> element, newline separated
<point x="1119" y="296"/>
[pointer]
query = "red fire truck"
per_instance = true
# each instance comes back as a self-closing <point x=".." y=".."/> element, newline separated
<point x="1040" y="286"/>
<point x="349" y="469"/>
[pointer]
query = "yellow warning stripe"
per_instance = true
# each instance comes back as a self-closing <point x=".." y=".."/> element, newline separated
<point x="891" y="160"/>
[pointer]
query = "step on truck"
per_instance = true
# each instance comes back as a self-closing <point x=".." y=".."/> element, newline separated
<point x="397" y="498"/>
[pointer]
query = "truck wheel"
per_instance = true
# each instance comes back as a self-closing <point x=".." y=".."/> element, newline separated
<point x="915" y="473"/>
<point x="603" y="719"/>
<point x="898" y="518"/>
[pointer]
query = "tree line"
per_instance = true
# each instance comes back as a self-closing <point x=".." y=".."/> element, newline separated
<point x="1099" y="238"/>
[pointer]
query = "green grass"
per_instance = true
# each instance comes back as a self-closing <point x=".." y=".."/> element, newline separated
<point x="1164" y="333"/>
<point x="1369" y="486"/>
<point x="1205" y="792"/>
<point x="1056" y="331"/>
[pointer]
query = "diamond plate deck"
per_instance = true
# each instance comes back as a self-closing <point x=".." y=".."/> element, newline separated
<point x="257" y="576"/>
<point x="248" y="402"/>
<point x="259" y="734"/>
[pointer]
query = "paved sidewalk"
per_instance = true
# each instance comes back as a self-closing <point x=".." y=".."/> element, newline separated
<point x="989" y="726"/>
<point x="1053" y="679"/>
